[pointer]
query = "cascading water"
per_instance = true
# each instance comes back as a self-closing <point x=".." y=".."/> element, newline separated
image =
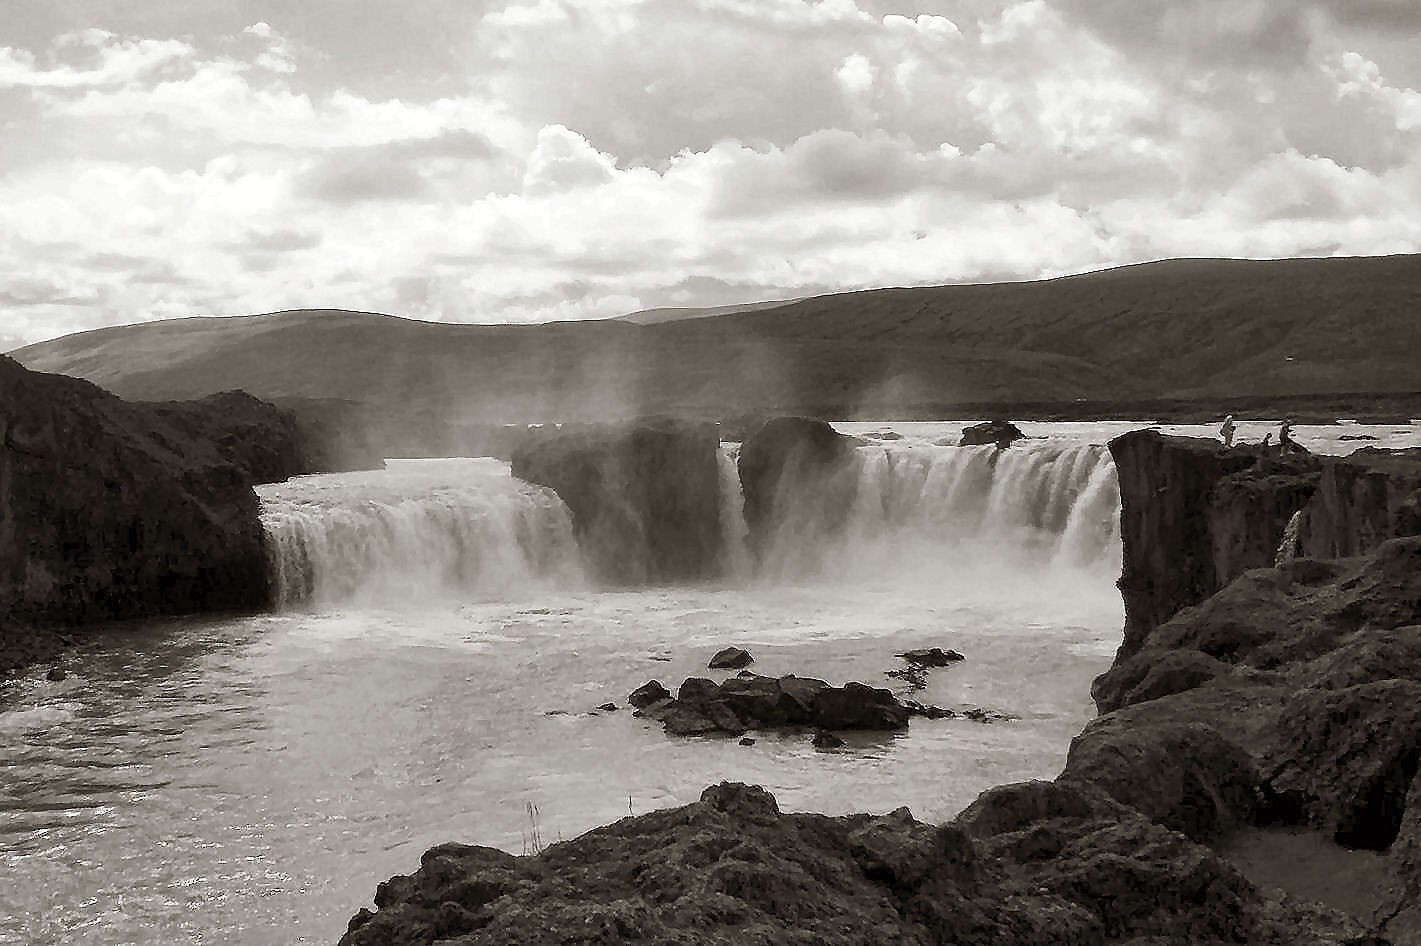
<point x="421" y="528"/>
<point x="736" y="555"/>
<point x="1042" y="505"/>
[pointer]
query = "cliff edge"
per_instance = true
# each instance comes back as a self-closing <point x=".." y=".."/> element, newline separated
<point x="111" y="509"/>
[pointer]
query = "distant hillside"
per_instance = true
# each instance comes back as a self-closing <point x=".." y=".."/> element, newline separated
<point x="1184" y="328"/>
<point x="653" y="316"/>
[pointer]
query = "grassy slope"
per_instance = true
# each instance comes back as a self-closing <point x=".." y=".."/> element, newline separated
<point x="1170" y="329"/>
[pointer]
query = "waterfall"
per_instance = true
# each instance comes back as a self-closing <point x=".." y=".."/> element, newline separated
<point x="420" y="529"/>
<point x="735" y="554"/>
<point x="1045" y="503"/>
<point x="466" y="528"/>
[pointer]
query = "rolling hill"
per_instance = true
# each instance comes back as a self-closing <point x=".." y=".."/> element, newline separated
<point x="1172" y="329"/>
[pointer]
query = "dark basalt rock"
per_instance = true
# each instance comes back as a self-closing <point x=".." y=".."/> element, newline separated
<point x="730" y="658"/>
<point x="1003" y="433"/>
<point x="1195" y="517"/>
<point x="1062" y="868"/>
<point x="932" y="657"/>
<point x="644" y="497"/>
<point x="648" y="693"/>
<point x="749" y="701"/>
<point x="111" y="509"/>
<point x="799" y="478"/>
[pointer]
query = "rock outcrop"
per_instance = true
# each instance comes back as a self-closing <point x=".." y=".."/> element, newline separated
<point x="799" y="477"/>
<point x="1195" y="516"/>
<point x="750" y="701"/>
<point x="1002" y="433"/>
<point x="1033" y="863"/>
<point x="113" y="509"/>
<point x="645" y="498"/>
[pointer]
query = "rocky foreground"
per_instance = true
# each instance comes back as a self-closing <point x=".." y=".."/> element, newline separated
<point x="1259" y="744"/>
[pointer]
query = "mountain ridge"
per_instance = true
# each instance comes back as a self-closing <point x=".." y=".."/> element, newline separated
<point x="1190" y="328"/>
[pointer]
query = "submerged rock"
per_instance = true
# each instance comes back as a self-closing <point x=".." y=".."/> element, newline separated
<point x="931" y="657"/>
<point x="827" y="740"/>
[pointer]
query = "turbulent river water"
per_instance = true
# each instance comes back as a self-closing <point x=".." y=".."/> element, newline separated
<point x="433" y="671"/>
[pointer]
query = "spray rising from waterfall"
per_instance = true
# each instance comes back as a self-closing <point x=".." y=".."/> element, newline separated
<point x="943" y="511"/>
<point x="421" y="529"/>
<point x="977" y="518"/>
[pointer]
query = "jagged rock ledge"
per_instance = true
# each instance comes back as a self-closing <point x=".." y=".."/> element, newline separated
<point x="111" y="509"/>
<point x="1279" y="706"/>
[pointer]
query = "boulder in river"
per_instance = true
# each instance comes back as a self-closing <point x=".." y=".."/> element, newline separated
<point x="730" y="658"/>
<point x="1003" y="433"/>
<point x="931" y="657"/>
<point x="648" y="693"/>
<point x="750" y="701"/>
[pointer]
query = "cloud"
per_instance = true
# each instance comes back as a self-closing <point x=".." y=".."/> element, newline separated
<point x="98" y="59"/>
<point x="562" y="158"/>
<point x="282" y="241"/>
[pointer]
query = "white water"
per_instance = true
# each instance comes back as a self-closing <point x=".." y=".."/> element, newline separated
<point x="250" y="779"/>
<point x="420" y="528"/>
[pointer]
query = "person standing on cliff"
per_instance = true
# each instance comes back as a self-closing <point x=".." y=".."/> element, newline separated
<point x="1285" y="436"/>
<point x="1227" y="431"/>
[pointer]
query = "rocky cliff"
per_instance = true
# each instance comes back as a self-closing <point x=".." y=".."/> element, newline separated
<point x="111" y="509"/>
<point x="645" y="498"/>
<point x="1195" y="516"/>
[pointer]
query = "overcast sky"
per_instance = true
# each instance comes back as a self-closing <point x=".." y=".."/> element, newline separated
<point x="539" y="159"/>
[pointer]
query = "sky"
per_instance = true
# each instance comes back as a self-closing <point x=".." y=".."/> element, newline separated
<point x="528" y="160"/>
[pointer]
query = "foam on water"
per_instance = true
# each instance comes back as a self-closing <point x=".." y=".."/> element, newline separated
<point x="961" y="513"/>
<point x="420" y="529"/>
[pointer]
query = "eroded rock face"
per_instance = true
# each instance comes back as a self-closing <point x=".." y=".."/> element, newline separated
<point x="1194" y="517"/>
<point x="111" y="509"/>
<point x="799" y="478"/>
<point x="1361" y="501"/>
<point x="645" y="498"/>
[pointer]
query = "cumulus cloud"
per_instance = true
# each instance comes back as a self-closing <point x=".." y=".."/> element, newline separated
<point x="563" y="160"/>
<point x="578" y="158"/>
